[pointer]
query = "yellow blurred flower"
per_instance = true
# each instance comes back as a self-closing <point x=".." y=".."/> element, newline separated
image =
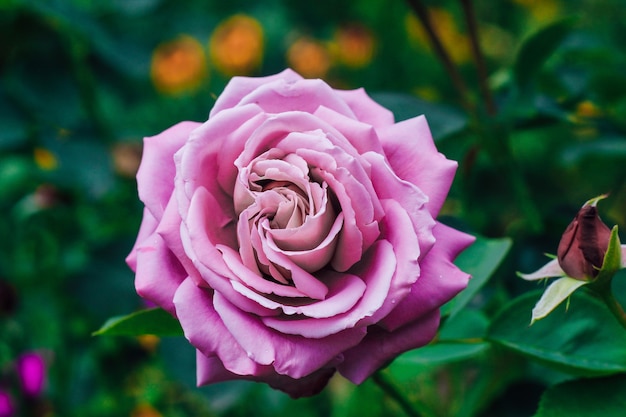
<point x="354" y="45"/>
<point x="309" y="57"/>
<point x="236" y="45"/>
<point x="45" y="159"/>
<point x="541" y="10"/>
<point x="178" y="65"/>
<point x="454" y="41"/>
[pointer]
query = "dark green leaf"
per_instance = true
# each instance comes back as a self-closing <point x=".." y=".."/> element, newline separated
<point x="536" y="50"/>
<point x="443" y="120"/>
<point x="153" y="321"/>
<point x="584" y="339"/>
<point x="480" y="261"/>
<point x="604" y="397"/>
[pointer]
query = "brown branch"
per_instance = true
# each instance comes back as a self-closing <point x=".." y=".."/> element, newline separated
<point x="479" y="60"/>
<point x="422" y="14"/>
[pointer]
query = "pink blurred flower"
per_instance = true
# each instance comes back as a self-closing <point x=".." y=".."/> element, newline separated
<point x="31" y="370"/>
<point x="6" y="405"/>
<point x="293" y="233"/>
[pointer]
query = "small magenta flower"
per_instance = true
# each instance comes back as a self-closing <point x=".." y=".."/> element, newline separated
<point x="6" y="405"/>
<point x="584" y="243"/>
<point x="31" y="369"/>
<point x="588" y="253"/>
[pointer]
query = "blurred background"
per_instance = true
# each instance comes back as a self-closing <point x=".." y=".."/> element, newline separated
<point x="82" y="82"/>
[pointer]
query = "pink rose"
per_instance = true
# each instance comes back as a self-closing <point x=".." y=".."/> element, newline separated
<point x="293" y="233"/>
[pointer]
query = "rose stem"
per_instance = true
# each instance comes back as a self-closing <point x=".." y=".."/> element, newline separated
<point x="479" y="60"/>
<point x="614" y="306"/>
<point x="422" y="13"/>
<point x="390" y="389"/>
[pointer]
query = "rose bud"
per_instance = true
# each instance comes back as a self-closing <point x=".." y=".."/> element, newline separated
<point x="584" y="243"/>
<point x="31" y="369"/>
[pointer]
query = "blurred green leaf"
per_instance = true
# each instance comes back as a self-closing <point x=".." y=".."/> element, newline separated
<point x="443" y="120"/>
<point x="584" y="339"/>
<point x="153" y="321"/>
<point x="536" y="50"/>
<point x="604" y="397"/>
<point x="480" y="261"/>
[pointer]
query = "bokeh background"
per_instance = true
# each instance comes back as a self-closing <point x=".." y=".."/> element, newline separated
<point x="82" y="82"/>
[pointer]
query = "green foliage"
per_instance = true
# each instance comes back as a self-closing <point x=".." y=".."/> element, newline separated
<point x="585" y="397"/>
<point x="582" y="338"/>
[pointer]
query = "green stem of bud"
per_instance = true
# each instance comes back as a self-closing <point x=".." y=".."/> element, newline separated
<point x="611" y="302"/>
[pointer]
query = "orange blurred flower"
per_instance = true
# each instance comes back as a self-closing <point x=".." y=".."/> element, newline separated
<point x="178" y="65"/>
<point x="126" y="158"/>
<point x="355" y="45"/>
<point x="454" y="41"/>
<point x="145" y="410"/>
<point x="309" y="57"/>
<point x="236" y="45"/>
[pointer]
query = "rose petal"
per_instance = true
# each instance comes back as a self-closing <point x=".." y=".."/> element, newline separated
<point x="207" y="158"/>
<point x="239" y="87"/>
<point x="155" y="177"/>
<point x="412" y="154"/>
<point x="158" y="273"/>
<point x="376" y="270"/>
<point x="147" y="228"/>
<point x="439" y="281"/>
<point x="205" y="330"/>
<point x="361" y="136"/>
<point x="410" y="197"/>
<point x="365" y="109"/>
<point x="380" y="346"/>
<point x="344" y="292"/>
<point x="315" y="258"/>
<point x="281" y="96"/>
<point x="290" y="355"/>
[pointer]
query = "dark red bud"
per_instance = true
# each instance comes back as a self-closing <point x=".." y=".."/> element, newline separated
<point x="584" y="244"/>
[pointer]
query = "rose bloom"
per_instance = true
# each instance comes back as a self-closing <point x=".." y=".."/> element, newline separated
<point x="292" y="234"/>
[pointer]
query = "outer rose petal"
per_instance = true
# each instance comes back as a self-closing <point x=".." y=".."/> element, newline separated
<point x="158" y="273"/>
<point x="147" y="228"/>
<point x="239" y="87"/>
<point x="211" y="370"/>
<point x="157" y="170"/>
<point x="380" y="346"/>
<point x="366" y="109"/>
<point x="439" y="281"/>
<point x="413" y="156"/>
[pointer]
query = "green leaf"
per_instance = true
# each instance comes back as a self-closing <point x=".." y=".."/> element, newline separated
<point x="480" y="261"/>
<point x="443" y="120"/>
<point x="153" y="321"/>
<point x="604" y="397"/>
<point x="460" y="338"/>
<point x="554" y="295"/>
<point x="584" y="339"/>
<point x="538" y="48"/>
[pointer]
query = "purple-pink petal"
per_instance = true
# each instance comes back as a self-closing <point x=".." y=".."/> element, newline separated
<point x="380" y="346"/>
